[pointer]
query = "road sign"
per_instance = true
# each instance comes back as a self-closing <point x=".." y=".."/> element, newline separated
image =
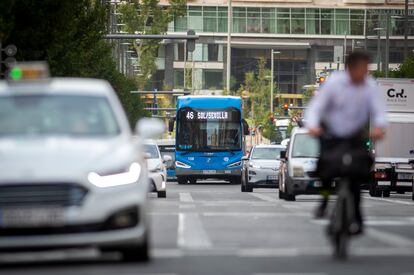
<point x="338" y="54"/>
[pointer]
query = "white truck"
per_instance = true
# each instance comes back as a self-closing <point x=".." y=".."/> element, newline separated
<point x="394" y="155"/>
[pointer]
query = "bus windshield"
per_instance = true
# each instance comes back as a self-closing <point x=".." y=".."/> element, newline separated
<point x="209" y="130"/>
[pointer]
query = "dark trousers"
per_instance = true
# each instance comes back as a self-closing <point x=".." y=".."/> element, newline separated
<point x="328" y="143"/>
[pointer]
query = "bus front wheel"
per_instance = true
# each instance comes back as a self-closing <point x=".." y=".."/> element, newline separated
<point x="182" y="180"/>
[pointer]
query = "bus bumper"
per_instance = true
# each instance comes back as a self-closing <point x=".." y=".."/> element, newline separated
<point x="208" y="173"/>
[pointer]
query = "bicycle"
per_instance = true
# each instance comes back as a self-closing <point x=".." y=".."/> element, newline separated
<point x="342" y="222"/>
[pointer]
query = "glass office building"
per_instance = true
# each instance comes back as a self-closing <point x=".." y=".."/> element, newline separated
<point x="304" y="36"/>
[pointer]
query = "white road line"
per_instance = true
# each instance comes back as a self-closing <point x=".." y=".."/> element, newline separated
<point x="306" y="273"/>
<point x="186" y="206"/>
<point x="389" y="200"/>
<point x="391" y="239"/>
<point x="186" y="197"/>
<point x="253" y="214"/>
<point x="265" y="197"/>
<point x="191" y="233"/>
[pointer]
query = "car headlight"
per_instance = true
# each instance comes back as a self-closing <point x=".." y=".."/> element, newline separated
<point x="180" y="164"/>
<point x="123" y="178"/>
<point x="234" y="164"/>
<point x="298" y="172"/>
<point x="252" y="165"/>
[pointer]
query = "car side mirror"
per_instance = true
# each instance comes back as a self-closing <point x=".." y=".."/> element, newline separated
<point x="283" y="155"/>
<point x="171" y="122"/>
<point x="149" y="127"/>
<point x="245" y="127"/>
<point x="167" y="158"/>
<point x="245" y="158"/>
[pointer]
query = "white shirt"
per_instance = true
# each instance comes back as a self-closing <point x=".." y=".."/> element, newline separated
<point x="345" y="107"/>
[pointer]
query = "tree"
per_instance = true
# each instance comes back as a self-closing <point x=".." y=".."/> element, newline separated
<point x="406" y="69"/>
<point x="148" y="17"/>
<point x="69" y="36"/>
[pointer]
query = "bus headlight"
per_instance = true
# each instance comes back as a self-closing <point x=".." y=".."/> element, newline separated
<point x="234" y="164"/>
<point x="180" y="164"/>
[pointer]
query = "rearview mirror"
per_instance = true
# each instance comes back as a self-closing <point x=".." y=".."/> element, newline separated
<point x="149" y="127"/>
<point x="282" y="154"/>
<point x="245" y="127"/>
<point x="166" y="158"/>
<point x="171" y="124"/>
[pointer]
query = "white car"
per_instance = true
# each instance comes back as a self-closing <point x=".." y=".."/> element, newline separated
<point x="70" y="173"/>
<point x="157" y="169"/>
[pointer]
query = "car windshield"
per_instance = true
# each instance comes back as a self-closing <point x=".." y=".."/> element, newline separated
<point x="305" y="146"/>
<point x="266" y="153"/>
<point x="43" y="115"/>
<point x="209" y="130"/>
<point x="151" y="149"/>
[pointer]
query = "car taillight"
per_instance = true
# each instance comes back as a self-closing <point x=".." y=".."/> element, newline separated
<point x="380" y="175"/>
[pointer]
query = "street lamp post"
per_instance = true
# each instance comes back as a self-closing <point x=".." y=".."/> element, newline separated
<point x="378" y="48"/>
<point x="229" y="29"/>
<point x="272" y="52"/>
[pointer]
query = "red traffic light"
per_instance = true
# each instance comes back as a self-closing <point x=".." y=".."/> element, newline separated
<point x="285" y="106"/>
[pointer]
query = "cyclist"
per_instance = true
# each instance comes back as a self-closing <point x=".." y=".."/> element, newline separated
<point x="339" y="114"/>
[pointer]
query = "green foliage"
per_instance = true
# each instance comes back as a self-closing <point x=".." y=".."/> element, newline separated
<point x="68" y="35"/>
<point x="406" y="69"/>
<point x="148" y="17"/>
<point x="256" y="87"/>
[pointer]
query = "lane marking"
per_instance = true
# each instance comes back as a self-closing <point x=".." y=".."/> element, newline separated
<point x="289" y="273"/>
<point x="191" y="233"/>
<point x="253" y="214"/>
<point x="264" y="197"/>
<point x="390" y="238"/>
<point x="186" y="206"/>
<point x="389" y="200"/>
<point x="186" y="197"/>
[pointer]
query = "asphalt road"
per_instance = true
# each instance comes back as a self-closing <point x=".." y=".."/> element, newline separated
<point x="213" y="228"/>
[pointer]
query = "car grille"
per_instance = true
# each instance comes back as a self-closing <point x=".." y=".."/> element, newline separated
<point x="26" y="195"/>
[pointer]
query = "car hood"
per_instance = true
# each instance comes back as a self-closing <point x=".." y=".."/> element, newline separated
<point x="58" y="157"/>
<point x="153" y="163"/>
<point x="266" y="163"/>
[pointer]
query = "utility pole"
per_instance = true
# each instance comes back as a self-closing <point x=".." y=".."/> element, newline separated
<point x="387" y="45"/>
<point x="406" y="30"/>
<point x="272" y="53"/>
<point x="229" y="29"/>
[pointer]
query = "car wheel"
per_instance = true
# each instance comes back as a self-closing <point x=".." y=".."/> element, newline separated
<point x="373" y="192"/>
<point x="162" y="194"/>
<point x="193" y="181"/>
<point x="386" y="194"/>
<point x="243" y="187"/>
<point x="289" y="197"/>
<point x="138" y="253"/>
<point x="181" y="180"/>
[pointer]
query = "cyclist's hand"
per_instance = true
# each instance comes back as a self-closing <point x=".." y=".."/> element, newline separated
<point x="377" y="133"/>
<point x="315" y="132"/>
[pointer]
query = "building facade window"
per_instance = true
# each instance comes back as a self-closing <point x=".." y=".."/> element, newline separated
<point x="212" y="79"/>
<point x="312" y="21"/>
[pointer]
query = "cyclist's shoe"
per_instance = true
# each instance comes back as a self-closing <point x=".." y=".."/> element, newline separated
<point x="321" y="210"/>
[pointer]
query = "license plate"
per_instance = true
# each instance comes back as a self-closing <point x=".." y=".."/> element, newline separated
<point x="272" y="177"/>
<point x="405" y="176"/>
<point x="317" y="184"/>
<point x="209" y="172"/>
<point x="31" y="217"/>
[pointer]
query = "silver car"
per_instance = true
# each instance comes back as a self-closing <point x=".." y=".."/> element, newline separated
<point x="261" y="167"/>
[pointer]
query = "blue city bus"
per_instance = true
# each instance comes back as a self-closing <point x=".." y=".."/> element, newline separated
<point x="209" y="138"/>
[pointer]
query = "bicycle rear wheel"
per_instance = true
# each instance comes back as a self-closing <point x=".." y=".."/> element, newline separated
<point x="341" y="236"/>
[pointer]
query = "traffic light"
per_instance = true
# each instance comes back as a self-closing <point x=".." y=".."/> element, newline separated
<point x="286" y="109"/>
<point x="321" y="79"/>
